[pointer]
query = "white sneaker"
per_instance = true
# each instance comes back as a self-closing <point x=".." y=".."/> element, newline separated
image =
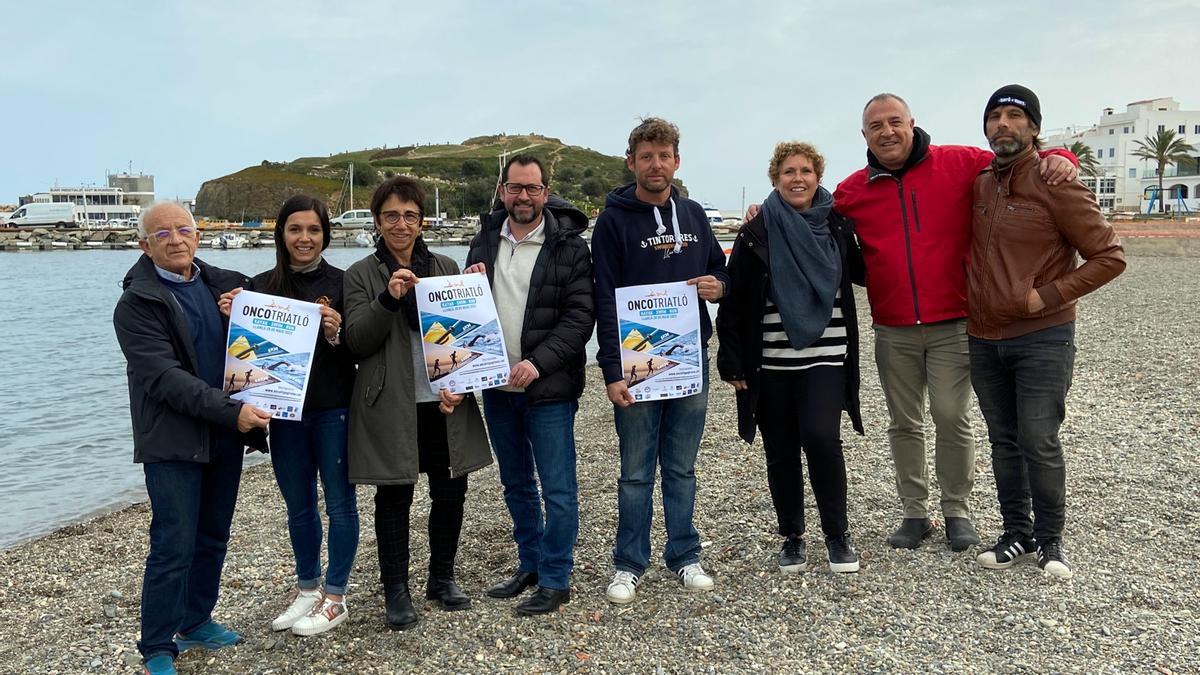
<point x="301" y="604"/>
<point x="623" y="588"/>
<point x="325" y="615"/>
<point x="694" y="578"/>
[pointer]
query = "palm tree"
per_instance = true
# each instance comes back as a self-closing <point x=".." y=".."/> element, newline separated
<point x="1163" y="149"/>
<point x="1087" y="158"/>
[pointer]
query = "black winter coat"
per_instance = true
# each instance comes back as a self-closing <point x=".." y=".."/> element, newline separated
<point x="739" y="319"/>
<point x="175" y="413"/>
<point x="559" y="313"/>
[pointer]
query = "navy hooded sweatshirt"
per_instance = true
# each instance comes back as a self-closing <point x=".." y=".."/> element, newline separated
<point x="629" y="250"/>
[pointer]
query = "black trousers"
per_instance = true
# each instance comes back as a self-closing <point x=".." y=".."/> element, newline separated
<point x="800" y="411"/>
<point x="447" y="496"/>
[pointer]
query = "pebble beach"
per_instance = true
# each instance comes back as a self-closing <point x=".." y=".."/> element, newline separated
<point x="69" y="601"/>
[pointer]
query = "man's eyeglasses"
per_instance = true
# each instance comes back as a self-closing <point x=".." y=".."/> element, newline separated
<point x="533" y="189"/>
<point x="393" y="217"/>
<point x="185" y="232"/>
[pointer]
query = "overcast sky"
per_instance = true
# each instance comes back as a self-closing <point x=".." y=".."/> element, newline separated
<point x="190" y="91"/>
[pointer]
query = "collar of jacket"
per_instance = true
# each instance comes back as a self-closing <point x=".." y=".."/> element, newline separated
<point x="920" y="150"/>
<point x="1005" y="172"/>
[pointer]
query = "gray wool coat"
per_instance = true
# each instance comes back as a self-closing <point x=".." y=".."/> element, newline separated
<point x="383" y="412"/>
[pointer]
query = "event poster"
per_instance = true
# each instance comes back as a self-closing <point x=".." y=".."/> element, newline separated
<point x="460" y="333"/>
<point x="269" y="350"/>
<point x="659" y="329"/>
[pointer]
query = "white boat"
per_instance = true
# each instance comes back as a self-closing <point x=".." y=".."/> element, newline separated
<point x="713" y="214"/>
<point x="365" y="238"/>
<point x="228" y="240"/>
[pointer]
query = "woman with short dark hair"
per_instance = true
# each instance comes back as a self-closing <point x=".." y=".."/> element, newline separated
<point x="399" y="426"/>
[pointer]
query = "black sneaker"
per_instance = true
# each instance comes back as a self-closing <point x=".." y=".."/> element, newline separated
<point x="1052" y="560"/>
<point x="793" y="556"/>
<point x="842" y="556"/>
<point x="1009" y="549"/>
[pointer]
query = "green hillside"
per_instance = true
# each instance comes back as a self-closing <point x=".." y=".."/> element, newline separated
<point x="464" y="173"/>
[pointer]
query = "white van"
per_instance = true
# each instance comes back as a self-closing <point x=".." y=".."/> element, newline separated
<point x="60" y="214"/>
<point x="354" y="218"/>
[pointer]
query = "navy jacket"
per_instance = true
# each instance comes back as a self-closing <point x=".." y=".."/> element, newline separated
<point x="558" y="311"/>
<point x="628" y="251"/>
<point x="176" y="415"/>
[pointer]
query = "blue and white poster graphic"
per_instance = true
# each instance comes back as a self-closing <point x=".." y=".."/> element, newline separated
<point x="659" y="330"/>
<point x="269" y="351"/>
<point x="460" y="333"/>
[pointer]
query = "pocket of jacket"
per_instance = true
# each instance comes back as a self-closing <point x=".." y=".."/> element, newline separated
<point x="375" y="386"/>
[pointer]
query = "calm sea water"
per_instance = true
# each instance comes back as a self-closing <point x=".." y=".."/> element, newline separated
<point x="66" y="448"/>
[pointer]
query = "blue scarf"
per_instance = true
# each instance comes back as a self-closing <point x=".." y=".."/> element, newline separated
<point x="806" y="267"/>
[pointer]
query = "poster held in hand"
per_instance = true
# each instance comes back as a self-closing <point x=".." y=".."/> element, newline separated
<point x="659" y="330"/>
<point x="460" y="333"/>
<point x="269" y="350"/>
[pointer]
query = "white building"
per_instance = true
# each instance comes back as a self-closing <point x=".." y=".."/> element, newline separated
<point x="1124" y="182"/>
<point x="94" y="206"/>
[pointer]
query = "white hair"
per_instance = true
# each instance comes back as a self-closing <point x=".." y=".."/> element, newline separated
<point x="145" y="215"/>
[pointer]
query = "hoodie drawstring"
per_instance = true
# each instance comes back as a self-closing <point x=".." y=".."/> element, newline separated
<point x="674" y="224"/>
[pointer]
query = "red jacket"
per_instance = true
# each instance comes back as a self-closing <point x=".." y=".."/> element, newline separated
<point x="915" y="233"/>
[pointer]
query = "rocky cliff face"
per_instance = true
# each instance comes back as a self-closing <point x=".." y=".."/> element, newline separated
<point x="237" y="197"/>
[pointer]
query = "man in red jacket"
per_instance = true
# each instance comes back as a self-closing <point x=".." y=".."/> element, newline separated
<point x="912" y="207"/>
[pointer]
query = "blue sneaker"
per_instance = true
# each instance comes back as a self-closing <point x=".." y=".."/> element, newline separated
<point x="161" y="664"/>
<point x="209" y="635"/>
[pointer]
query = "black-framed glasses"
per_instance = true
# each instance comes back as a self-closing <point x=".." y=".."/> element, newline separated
<point x="163" y="235"/>
<point x="393" y="217"/>
<point x="532" y="189"/>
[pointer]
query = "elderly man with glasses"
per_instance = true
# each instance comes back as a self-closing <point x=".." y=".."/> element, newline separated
<point x="540" y="271"/>
<point x="188" y="434"/>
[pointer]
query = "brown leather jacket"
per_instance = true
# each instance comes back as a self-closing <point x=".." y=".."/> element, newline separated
<point x="1025" y="235"/>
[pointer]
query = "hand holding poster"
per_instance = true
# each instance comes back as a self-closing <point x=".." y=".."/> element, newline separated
<point x="269" y="350"/>
<point x="659" y="329"/>
<point x="460" y="333"/>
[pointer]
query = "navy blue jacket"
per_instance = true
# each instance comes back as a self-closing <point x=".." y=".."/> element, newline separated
<point x="628" y="251"/>
<point x="176" y="415"/>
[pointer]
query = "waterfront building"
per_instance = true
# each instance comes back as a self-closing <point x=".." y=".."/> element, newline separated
<point x="95" y="207"/>
<point x="1124" y="182"/>
<point x="138" y="187"/>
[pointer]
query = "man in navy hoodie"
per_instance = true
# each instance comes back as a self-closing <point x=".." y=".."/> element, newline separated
<point x="649" y="233"/>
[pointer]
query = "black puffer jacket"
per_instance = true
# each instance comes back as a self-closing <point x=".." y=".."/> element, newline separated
<point x="176" y="415"/>
<point x="558" y="312"/>
<point x="739" y="320"/>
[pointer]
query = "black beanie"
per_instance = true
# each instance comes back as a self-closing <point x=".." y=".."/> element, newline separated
<point x="1021" y="97"/>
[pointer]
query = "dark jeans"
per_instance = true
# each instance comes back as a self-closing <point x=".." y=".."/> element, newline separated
<point x="540" y="436"/>
<point x="447" y="496"/>
<point x="191" y="507"/>
<point x="657" y="434"/>
<point x="801" y="411"/>
<point x="1022" y="386"/>
<point x="299" y="452"/>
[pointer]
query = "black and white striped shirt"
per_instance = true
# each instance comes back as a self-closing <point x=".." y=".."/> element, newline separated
<point x="828" y="350"/>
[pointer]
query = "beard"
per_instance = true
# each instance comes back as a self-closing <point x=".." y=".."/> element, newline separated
<point x="524" y="219"/>
<point x="1007" y="147"/>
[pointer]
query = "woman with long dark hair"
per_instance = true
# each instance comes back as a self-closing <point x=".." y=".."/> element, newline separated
<point x="315" y="446"/>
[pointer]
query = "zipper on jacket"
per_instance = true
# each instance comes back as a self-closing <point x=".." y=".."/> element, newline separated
<point x="916" y="217"/>
<point x="912" y="276"/>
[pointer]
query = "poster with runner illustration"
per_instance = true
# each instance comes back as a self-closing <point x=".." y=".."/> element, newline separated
<point x="660" y="340"/>
<point x="460" y="333"/>
<point x="268" y="352"/>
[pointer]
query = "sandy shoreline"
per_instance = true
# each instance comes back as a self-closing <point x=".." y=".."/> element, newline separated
<point x="69" y="601"/>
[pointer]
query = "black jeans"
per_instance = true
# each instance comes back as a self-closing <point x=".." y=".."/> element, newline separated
<point x="447" y="496"/>
<point x="1022" y="386"/>
<point x="801" y="410"/>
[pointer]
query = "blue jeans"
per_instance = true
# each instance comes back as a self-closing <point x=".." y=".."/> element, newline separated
<point x="299" y="451"/>
<point x="653" y="434"/>
<point x="537" y="436"/>
<point x="191" y="507"/>
<point x="1022" y="386"/>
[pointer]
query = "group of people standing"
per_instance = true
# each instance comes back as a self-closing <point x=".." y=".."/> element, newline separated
<point x="968" y="257"/>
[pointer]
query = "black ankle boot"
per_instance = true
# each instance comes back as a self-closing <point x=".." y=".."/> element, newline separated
<point x="401" y="615"/>
<point x="444" y="591"/>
